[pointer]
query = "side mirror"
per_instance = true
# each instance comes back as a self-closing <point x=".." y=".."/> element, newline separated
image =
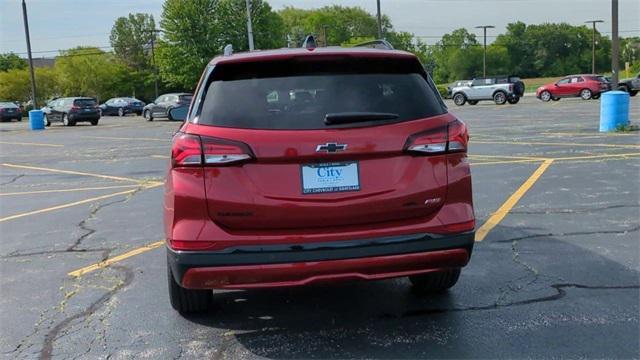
<point x="178" y="113"/>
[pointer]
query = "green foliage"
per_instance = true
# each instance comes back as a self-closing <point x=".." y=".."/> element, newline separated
<point x="129" y="36"/>
<point x="87" y="71"/>
<point x="15" y="84"/>
<point x="11" y="61"/>
<point x="196" y="31"/>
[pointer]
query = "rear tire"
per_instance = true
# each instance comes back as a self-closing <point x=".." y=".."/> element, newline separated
<point x="46" y="121"/>
<point x="147" y="115"/>
<point x="185" y="300"/>
<point x="513" y="100"/>
<point x="94" y="122"/>
<point x="472" y="102"/>
<point x="459" y="99"/>
<point x="586" y="94"/>
<point x="435" y="282"/>
<point x="633" y="92"/>
<point x="500" y="98"/>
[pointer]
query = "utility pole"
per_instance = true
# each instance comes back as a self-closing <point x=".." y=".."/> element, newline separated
<point x="593" y="44"/>
<point x="153" y="60"/>
<point x="615" y="45"/>
<point x="26" y="33"/>
<point x="379" y="21"/>
<point x="249" y="26"/>
<point x="324" y="35"/>
<point x="484" y="54"/>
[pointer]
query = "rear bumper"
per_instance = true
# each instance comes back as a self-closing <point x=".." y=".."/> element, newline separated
<point x="299" y="264"/>
<point x="84" y="116"/>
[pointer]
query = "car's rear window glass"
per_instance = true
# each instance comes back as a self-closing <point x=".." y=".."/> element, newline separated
<point x="84" y="102"/>
<point x="291" y="95"/>
<point x="186" y="97"/>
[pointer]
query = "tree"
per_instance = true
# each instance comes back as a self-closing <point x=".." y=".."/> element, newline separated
<point x="15" y="84"/>
<point x="196" y="31"/>
<point x="129" y="35"/>
<point x="11" y="61"/>
<point x="88" y="71"/>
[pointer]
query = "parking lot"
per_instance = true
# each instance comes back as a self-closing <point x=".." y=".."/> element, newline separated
<point x="554" y="272"/>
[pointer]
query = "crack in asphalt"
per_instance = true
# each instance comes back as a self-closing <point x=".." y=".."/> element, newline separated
<point x="14" y="179"/>
<point x="576" y="233"/>
<point x="560" y="293"/>
<point x="16" y="254"/>
<point x="54" y="333"/>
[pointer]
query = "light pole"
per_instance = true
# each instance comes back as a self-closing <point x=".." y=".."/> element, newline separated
<point x="593" y="44"/>
<point x="379" y="21"/>
<point x="26" y="33"/>
<point x="484" y="54"/>
<point x="324" y="35"/>
<point x="615" y="45"/>
<point x="249" y="26"/>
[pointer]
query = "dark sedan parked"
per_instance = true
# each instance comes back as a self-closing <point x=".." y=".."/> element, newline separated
<point x="122" y="106"/>
<point x="72" y="110"/>
<point x="10" y="111"/>
<point x="161" y="106"/>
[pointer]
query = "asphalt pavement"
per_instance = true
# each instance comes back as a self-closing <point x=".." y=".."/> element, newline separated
<point x="554" y="272"/>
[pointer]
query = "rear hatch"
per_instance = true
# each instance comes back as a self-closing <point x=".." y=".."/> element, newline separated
<point x="85" y="106"/>
<point x="317" y="144"/>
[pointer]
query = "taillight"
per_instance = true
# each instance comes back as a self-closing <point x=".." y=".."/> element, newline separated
<point x="450" y="138"/>
<point x="510" y="87"/>
<point x="194" y="150"/>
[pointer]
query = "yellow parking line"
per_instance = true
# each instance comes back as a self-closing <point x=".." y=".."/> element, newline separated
<point x="67" y="190"/>
<point x="505" y="162"/>
<point x="608" y="156"/>
<point x="126" y="138"/>
<point x="75" y="203"/>
<point x="64" y="206"/>
<point x="500" y="214"/>
<point x="30" y="144"/>
<point x="117" y="178"/>
<point x="108" y="262"/>
<point x="630" y="146"/>
<point x="506" y="157"/>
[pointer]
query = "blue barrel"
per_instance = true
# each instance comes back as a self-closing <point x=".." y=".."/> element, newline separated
<point x="36" y="120"/>
<point x="614" y="110"/>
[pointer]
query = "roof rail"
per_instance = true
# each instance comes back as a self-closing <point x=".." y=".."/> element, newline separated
<point x="228" y="50"/>
<point x="309" y="42"/>
<point x="376" y="44"/>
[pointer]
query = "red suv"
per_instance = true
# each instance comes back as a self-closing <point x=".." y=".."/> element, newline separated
<point x="584" y="86"/>
<point x="299" y="166"/>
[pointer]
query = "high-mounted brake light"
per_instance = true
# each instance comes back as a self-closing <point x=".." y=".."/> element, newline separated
<point x="450" y="138"/>
<point x="194" y="150"/>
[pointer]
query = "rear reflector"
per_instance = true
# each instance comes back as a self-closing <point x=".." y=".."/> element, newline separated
<point x="194" y="150"/>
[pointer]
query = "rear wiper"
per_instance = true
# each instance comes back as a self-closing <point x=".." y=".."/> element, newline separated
<point x="352" y="117"/>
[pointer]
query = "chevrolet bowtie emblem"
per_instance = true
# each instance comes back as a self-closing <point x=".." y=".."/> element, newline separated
<point x="331" y="147"/>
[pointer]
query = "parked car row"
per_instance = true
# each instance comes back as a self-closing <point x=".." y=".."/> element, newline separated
<point x="503" y="89"/>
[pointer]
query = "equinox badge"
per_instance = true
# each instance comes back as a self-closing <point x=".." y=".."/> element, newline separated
<point x="331" y="147"/>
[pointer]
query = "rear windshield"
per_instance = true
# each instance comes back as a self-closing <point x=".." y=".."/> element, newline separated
<point x="84" y="102"/>
<point x="186" y="98"/>
<point x="298" y="96"/>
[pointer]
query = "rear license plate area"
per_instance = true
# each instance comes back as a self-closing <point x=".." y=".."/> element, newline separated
<point x="330" y="177"/>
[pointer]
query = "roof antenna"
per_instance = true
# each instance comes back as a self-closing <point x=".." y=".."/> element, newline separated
<point x="228" y="50"/>
<point x="309" y="42"/>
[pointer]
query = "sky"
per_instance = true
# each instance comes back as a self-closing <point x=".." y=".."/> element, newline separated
<point x="63" y="24"/>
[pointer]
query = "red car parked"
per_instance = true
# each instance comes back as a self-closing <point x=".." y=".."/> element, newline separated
<point x="298" y="166"/>
<point x="584" y="86"/>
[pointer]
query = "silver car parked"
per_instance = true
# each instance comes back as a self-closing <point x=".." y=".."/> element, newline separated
<point x="500" y="89"/>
